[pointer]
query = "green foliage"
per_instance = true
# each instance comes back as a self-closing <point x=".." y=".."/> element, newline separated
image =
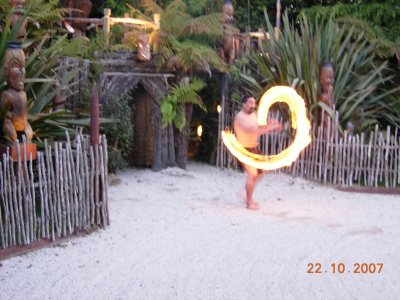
<point x="186" y="46"/>
<point x="377" y="21"/>
<point x="119" y="133"/>
<point x="118" y="8"/>
<point x="294" y="59"/>
<point x="253" y="15"/>
<point x="171" y="106"/>
<point x="195" y="7"/>
<point x="44" y="47"/>
<point x="183" y="46"/>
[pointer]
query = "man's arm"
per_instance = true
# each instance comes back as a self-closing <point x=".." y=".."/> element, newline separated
<point x="271" y="126"/>
<point x="249" y="126"/>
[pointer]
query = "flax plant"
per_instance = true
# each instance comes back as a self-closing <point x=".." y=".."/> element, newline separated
<point x="293" y="57"/>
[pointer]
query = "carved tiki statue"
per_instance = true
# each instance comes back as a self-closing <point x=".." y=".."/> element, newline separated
<point x="227" y="51"/>
<point x="326" y="80"/>
<point x="17" y="7"/>
<point x="13" y="100"/>
<point x="143" y="47"/>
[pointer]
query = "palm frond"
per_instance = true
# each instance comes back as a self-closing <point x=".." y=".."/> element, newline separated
<point x="210" y="24"/>
<point x="171" y="105"/>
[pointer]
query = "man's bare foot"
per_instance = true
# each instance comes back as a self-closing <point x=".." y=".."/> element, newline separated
<point x="252" y="205"/>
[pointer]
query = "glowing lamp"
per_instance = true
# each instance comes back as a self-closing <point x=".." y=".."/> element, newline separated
<point x="199" y="130"/>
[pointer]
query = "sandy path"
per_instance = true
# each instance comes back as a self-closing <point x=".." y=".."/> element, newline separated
<point x="185" y="235"/>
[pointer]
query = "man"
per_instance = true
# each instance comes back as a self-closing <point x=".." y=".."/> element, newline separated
<point x="247" y="133"/>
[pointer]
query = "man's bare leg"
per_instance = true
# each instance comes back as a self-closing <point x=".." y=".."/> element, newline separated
<point x="252" y="178"/>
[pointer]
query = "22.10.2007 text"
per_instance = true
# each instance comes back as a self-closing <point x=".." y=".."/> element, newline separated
<point x="340" y="268"/>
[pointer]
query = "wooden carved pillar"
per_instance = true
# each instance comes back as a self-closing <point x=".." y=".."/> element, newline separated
<point x="17" y="18"/>
<point x="228" y="50"/>
<point x="13" y="101"/>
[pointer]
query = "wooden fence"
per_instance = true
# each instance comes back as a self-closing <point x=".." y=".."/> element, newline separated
<point x="367" y="159"/>
<point x="62" y="192"/>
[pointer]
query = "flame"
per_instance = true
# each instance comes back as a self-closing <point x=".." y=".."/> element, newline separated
<point x="300" y="122"/>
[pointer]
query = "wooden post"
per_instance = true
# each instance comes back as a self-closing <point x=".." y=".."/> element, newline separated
<point x="156" y="18"/>
<point x="278" y="17"/>
<point x="126" y="16"/>
<point x="247" y="41"/>
<point x="94" y="117"/>
<point x="107" y="25"/>
<point x="259" y="39"/>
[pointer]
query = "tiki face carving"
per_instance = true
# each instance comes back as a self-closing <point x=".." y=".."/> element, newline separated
<point x="18" y="11"/>
<point x="14" y="69"/>
<point x="227" y="49"/>
<point x="16" y="76"/>
<point x="143" y="47"/>
<point x="227" y="10"/>
<point x="327" y="79"/>
<point x="16" y="3"/>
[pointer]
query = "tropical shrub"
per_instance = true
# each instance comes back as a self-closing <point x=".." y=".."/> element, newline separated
<point x="377" y="21"/>
<point x="119" y="132"/>
<point x="171" y="105"/>
<point x="294" y="57"/>
<point x="45" y="46"/>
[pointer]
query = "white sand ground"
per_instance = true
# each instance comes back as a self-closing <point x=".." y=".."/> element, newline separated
<point x="186" y="235"/>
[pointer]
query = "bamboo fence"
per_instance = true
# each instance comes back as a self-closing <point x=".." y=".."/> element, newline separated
<point x="367" y="159"/>
<point x="63" y="191"/>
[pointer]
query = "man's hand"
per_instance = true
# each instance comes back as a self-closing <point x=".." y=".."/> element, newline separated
<point x="271" y="126"/>
<point x="274" y="125"/>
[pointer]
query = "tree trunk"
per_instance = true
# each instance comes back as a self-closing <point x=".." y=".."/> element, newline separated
<point x="157" y="162"/>
<point x="181" y="138"/>
<point x="163" y="143"/>
<point x="168" y="147"/>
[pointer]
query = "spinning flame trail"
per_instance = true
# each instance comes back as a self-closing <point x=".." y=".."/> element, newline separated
<point x="300" y="122"/>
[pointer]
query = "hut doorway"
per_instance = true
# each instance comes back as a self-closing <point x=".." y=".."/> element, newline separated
<point x="143" y="124"/>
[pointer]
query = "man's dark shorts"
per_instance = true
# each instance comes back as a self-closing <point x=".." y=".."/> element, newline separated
<point x="255" y="150"/>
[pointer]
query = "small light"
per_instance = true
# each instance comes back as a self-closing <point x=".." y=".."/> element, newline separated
<point x="199" y="130"/>
<point x="219" y="108"/>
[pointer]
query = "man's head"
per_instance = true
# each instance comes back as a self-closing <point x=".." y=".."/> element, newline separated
<point x="248" y="104"/>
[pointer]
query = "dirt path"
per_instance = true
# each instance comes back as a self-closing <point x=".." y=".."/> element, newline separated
<point x="185" y="235"/>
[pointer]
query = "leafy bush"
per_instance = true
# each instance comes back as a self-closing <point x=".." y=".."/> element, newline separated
<point x="44" y="47"/>
<point x="171" y="105"/>
<point x="119" y="133"/>
<point x="362" y="82"/>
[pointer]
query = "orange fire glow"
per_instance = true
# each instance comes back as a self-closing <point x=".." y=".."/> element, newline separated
<point x="299" y="122"/>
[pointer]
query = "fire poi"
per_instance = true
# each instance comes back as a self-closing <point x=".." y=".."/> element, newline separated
<point x="299" y="122"/>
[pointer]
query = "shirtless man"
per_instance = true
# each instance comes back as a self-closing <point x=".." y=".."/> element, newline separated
<point x="247" y="133"/>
